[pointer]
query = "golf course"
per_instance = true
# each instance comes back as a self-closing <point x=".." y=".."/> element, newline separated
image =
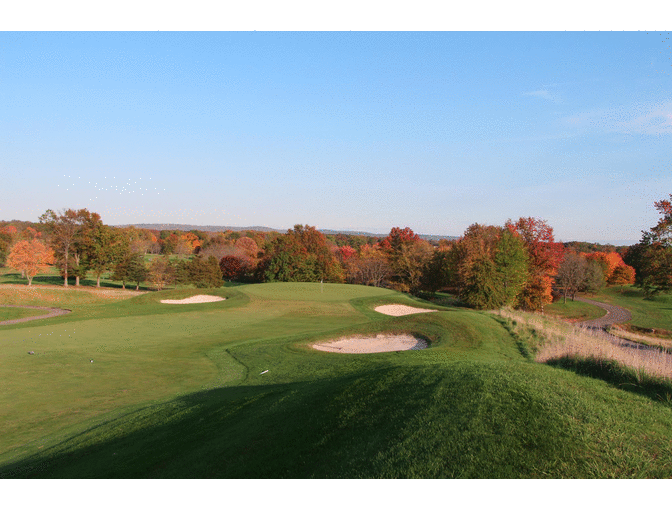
<point x="125" y="386"/>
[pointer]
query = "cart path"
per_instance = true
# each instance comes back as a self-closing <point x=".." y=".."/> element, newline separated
<point x="53" y="312"/>
<point x="615" y="314"/>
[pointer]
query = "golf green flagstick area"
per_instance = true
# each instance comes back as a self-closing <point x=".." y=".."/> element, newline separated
<point x="129" y="387"/>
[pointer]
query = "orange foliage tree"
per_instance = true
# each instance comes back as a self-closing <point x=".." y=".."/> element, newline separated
<point x="616" y="271"/>
<point x="30" y="257"/>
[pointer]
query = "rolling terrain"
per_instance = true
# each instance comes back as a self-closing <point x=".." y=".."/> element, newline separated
<point x="128" y="387"/>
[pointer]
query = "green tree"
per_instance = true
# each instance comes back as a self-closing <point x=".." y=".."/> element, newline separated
<point x="512" y="264"/>
<point x="131" y="269"/>
<point x="439" y="271"/>
<point x="106" y="248"/>
<point x="482" y="287"/>
<point x="137" y="270"/>
<point x="594" y="277"/>
<point x="161" y="272"/>
<point x="652" y="257"/>
<point x="205" y="273"/>
<point x="301" y="255"/>
<point x="63" y="229"/>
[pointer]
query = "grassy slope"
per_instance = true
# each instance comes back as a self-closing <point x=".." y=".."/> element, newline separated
<point x="180" y="394"/>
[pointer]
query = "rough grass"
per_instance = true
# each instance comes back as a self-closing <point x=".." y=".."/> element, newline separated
<point x="651" y="339"/>
<point x="552" y="341"/>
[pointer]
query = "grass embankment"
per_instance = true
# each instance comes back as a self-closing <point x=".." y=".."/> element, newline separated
<point x="181" y="393"/>
<point x="589" y="352"/>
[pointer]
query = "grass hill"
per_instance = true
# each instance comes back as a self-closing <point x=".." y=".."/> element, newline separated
<point x="182" y="391"/>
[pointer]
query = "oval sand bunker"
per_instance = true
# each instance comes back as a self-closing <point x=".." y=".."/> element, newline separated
<point x="399" y="310"/>
<point x="367" y="345"/>
<point x="201" y="298"/>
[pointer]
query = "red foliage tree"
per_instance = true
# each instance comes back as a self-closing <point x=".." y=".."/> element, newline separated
<point x="235" y="267"/>
<point x="398" y="237"/>
<point x="345" y="253"/>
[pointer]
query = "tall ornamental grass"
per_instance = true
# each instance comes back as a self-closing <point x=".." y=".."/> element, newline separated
<point x="550" y="341"/>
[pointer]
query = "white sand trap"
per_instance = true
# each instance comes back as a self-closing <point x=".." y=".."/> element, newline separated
<point x="398" y="310"/>
<point x="201" y="298"/>
<point x="379" y="343"/>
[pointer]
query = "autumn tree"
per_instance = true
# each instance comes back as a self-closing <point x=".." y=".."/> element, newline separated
<point x="137" y="270"/>
<point x="30" y="257"/>
<point x="63" y="229"/>
<point x="488" y="266"/>
<point x="236" y="267"/>
<point x="408" y="265"/>
<point x="247" y="246"/>
<point x="370" y="267"/>
<point x="68" y="231"/>
<point x="622" y="275"/>
<point x="301" y="255"/>
<point x="544" y="256"/>
<point x="407" y="256"/>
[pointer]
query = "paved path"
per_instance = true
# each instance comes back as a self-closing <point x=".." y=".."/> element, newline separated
<point x="53" y="312"/>
<point x="615" y="314"/>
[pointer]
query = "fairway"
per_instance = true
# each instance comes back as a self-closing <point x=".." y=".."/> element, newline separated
<point x="127" y="386"/>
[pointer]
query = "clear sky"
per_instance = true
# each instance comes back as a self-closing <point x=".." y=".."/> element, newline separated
<point x="342" y="130"/>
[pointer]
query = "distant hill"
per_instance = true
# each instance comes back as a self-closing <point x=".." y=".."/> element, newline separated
<point x="213" y="228"/>
<point x="204" y="228"/>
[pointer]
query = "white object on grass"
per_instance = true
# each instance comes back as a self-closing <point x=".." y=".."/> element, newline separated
<point x="264" y="372"/>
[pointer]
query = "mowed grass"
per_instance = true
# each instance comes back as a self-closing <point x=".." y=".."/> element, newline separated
<point x="573" y="311"/>
<point x="233" y="389"/>
<point x="7" y="314"/>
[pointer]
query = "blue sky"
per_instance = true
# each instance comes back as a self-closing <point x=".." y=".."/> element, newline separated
<point x="342" y="130"/>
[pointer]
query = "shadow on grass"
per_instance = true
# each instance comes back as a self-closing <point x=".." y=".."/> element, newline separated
<point x="16" y="279"/>
<point x="292" y="430"/>
<point x="618" y="376"/>
<point x="390" y="422"/>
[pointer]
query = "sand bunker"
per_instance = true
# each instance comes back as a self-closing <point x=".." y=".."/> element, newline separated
<point x="379" y="343"/>
<point x="398" y="310"/>
<point x="201" y="298"/>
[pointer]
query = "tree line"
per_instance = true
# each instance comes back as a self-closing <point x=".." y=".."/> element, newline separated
<point x="518" y="264"/>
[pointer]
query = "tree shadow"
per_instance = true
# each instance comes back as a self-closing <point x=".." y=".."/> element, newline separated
<point x="617" y="376"/>
<point x="292" y="430"/>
